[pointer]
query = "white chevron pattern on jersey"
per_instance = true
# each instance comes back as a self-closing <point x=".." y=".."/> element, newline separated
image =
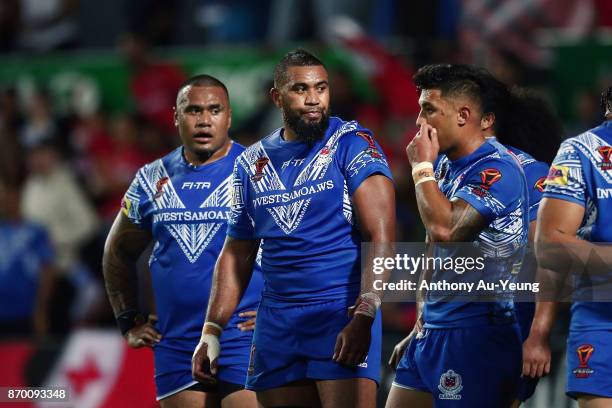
<point x="191" y="238"/>
<point x="221" y="196"/>
<point x="503" y="236"/>
<point x="347" y="206"/>
<point x="149" y="176"/>
<point x="270" y="180"/>
<point x="194" y="238"/>
<point x="588" y="143"/>
<point x="289" y="216"/>
<point x="361" y="161"/>
<point x="317" y="167"/>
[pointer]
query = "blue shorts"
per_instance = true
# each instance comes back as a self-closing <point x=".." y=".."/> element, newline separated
<point x="524" y="316"/>
<point x="589" y="363"/>
<point x="173" y="361"/>
<point x="297" y="342"/>
<point x="464" y="367"/>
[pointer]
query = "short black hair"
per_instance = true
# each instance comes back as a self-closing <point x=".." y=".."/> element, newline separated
<point x="606" y="100"/>
<point x="296" y="58"/>
<point x="452" y="80"/>
<point x="204" y="80"/>
<point x="523" y="118"/>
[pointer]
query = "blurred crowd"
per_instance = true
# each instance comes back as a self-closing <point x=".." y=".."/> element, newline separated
<point x="62" y="175"/>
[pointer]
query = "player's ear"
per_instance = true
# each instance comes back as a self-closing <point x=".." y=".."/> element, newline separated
<point x="229" y="118"/>
<point x="275" y="96"/>
<point x="463" y="115"/>
<point x="175" y="115"/>
<point x="487" y="121"/>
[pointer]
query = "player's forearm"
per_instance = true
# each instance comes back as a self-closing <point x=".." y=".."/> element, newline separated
<point x="124" y="245"/>
<point x="543" y="319"/>
<point x="435" y="211"/>
<point x="121" y="281"/>
<point x="232" y="275"/>
<point x="381" y="246"/>
<point x="374" y="203"/>
<point x="564" y="253"/>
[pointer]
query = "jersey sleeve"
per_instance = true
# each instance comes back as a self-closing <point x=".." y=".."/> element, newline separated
<point x="565" y="179"/>
<point x="361" y="157"/>
<point x="136" y="204"/>
<point x="491" y="187"/>
<point x="240" y="224"/>
<point x="535" y="173"/>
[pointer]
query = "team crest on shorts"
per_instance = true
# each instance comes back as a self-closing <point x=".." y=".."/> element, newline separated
<point x="584" y="352"/>
<point x="364" y="364"/>
<point x="450" y="386"/>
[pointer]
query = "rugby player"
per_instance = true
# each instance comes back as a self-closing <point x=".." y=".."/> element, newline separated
<point x="181" y="202"/>
<point x="575" y="216"/>
<point x="478" y="195"/>
<point x="311" y="191"/>
<point x="524" y="122"/>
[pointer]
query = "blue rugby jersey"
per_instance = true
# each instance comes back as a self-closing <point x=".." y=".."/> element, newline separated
<point x="186" y="208"/>
<point x="297" y="199"/>
<point x="535" y="174"/>
<point x="582" y="173"/>
<point x="26" y="248"/>
<point x="492" y="181"/>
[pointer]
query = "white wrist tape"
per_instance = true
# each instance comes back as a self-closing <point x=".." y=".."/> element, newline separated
<point x="215" y="325"/>
<point x="213" y="347"/>
<point x="422" y="166"/>
<point x="424" y="179"/>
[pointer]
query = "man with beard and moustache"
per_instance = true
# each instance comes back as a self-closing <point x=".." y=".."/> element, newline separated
<point x="311" y="191"/>
<point x="181" y="202"/>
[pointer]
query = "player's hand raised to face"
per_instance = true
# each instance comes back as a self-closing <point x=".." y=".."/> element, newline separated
<point x="424" y="146"/>
<point x="400" y="348"/>
<point x="144" y="335"/>
<point x="353" y="342"/>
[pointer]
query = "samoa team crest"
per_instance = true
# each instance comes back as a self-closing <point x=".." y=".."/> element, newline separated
<point x="450" y="386"/>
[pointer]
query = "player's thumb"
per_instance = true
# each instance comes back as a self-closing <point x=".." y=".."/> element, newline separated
<point x="434" y="139"/>
<point x="338" y="347"/>
<point x="214" y="364"/>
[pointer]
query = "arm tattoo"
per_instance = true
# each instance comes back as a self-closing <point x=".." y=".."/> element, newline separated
<point x="124" y="245"/>
<point x="467" y="222"/>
